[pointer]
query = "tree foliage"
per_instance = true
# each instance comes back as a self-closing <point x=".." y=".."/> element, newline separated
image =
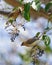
<point x="26" y="9"/>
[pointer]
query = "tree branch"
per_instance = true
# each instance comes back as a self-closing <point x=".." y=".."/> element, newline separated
<point x="4" y="13"/>
<point x="13" y="3"/>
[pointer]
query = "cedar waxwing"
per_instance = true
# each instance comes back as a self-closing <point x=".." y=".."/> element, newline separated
<point x="30" y="42"/>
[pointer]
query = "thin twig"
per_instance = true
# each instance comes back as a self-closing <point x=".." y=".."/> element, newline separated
<point x="4" y="13"/>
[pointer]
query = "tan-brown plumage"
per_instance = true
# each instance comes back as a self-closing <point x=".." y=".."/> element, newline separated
<point x="30" y="42"/>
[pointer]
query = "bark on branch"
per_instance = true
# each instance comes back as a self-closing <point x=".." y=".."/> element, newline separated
<point x="4" y="13"/>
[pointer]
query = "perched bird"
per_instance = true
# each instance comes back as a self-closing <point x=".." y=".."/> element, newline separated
<point x="31" y="42"/>
<point x="13" y="15"/>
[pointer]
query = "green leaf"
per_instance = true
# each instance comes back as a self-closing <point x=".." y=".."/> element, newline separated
<point x="36" y="1"/>
<point x="27" y="7"/>
<point x="37" y="34"/>
<point x="27" y="16"/>
<point x="48" y="6"/>
<point x="27" y="11"/>
<point x="46" y="39"/>
<point x="38" y="6"/>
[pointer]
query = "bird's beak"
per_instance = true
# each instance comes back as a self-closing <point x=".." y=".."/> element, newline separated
<point x="22" y="44"/>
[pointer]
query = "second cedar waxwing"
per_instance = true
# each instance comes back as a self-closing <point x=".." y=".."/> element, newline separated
<point x="30" y="42"/>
